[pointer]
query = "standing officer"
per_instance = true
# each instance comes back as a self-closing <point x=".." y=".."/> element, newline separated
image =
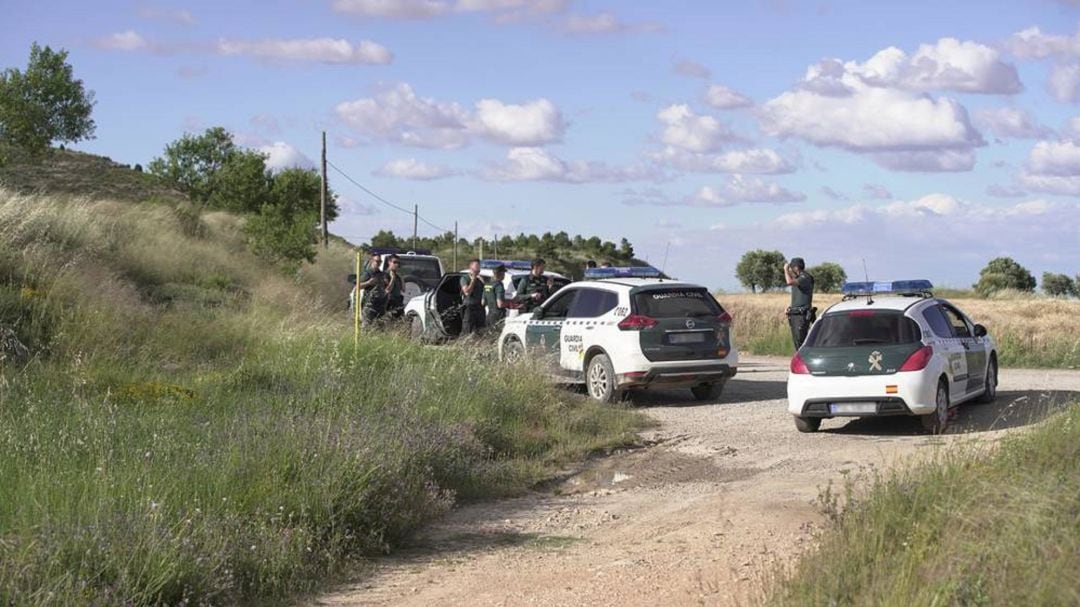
<point x="395" y="288"/>
<point x="373" y="284"/>
<point x="534" y="288"/>
<point x="495" y="299"/>
<point x="801" y="312"/>
<point x="472" y="299"/>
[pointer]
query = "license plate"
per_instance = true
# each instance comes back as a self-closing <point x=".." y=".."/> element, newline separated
<point x="859" y="408"/>
<point x="686" y="338"/>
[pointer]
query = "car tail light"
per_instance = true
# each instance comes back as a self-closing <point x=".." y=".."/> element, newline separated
<point x="918" y="359"/>
<point x="636" y="322"/>
<point x="725" y="318"/>
<point x="798" y="367"/>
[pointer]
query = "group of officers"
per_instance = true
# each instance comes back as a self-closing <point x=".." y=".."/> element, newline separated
<point x="484" y="303"/>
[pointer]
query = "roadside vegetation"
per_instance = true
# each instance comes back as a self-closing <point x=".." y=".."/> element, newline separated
<point x="1031" y="331"/>
<point x="965" y="527"/>
<point x="183" y="421"/>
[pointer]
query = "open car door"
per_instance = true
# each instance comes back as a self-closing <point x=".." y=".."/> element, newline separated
<point x="444" y="307"/>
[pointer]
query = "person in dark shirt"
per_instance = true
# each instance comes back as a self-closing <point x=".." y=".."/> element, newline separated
<point x="495" y="299"/>
<point x="801" y="312"/>
<point x="534" y="288"/>
<point x="395" y="288"/>
<point x="373" y="285"/>
<point x="472" y="299"/>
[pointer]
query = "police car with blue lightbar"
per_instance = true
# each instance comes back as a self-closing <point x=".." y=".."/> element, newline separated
<point x="628" y="329"/>
<point x="436" y="315"/>
<point x="891" y="348"/>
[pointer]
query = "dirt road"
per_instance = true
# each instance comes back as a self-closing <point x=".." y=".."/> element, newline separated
<point x="699" y="517"/>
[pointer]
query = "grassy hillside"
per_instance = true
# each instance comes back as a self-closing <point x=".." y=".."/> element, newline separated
<point x="189" y="424"/>
<point x="965" y="528"/>
<point x="1031" y="331"/>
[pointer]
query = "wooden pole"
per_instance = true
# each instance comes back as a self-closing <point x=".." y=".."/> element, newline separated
<point x="496" y="245"/>
<point x="415" y="216"/>
<point x="356" y="306"/>
<point x="322" y="197"/>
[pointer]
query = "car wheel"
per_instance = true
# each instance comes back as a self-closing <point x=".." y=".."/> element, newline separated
<point x="935" y="422"/>
<point x="600" y="379"/>
<point x="411" y="288"/>
<point x="513" y="351"/>
<point x="416" y="327"/>
<point x="807" y="424"/>
<point x="990" y="391"/>
<point x="708" y="391"/>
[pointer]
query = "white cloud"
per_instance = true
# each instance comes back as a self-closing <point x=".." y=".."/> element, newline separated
<point x="724" y="98"/>
<point x="158" y="13"/>
<point x="398" y="115"/>
<point x="538" y="164"/>
<point x="281" y="155"/>
<point x="122" y="41"/>
<point x="1064" y="83"/>
<point x="605" y="23"/>
<point x="1072" y="129"/>
<point x="738" y="189"/>
<point x="693" y="69"/>
<point x="1010" y="122"/>
<point x="689" y="131"/>
<point x="1005" y="191"/>
<point x="410" y="168"/>
<point x="948" y="64"/>
<point x="1032" y="43"/>
<point x="321" y="50"/>
<point x="756" y="161"/>
<point x="523" y="6"/>
<point x="529" y="124"/>
<point x="753" y="189"/>
<point x="393" y="9"/>
<point x="927" y="161"/>
<point x="876" y="191"/>
<point x="1055" y="158"/>
<point x="1051" y="184"/>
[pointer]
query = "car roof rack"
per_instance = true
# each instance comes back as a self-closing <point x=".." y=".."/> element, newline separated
<point x="904" y="288"/>
<point x="397" y="251"/>
<point x="623" y="272"/>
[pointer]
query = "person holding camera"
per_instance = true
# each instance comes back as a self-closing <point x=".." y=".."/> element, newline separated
<point x="801" y="311"/>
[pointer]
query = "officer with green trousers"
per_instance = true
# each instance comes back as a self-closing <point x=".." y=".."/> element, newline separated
<point x="801" y="313"/>
<point x="534" y="288"/>
<point x="395" y="288"/>
<point x="472" y="300"/>
<point x="495" y="299"/>
<point x="373" y="284"/>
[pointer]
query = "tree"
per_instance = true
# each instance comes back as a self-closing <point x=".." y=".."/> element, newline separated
<point x="192" y="162"/>
<point x="828" y="276"/>
<point x="243" y="184"/>
<point x="761" y="269"/>
<point x="283" y="238"/>
<point x="1004" y="273"/>
<point x="1058" y="285"/>
<point x="46" y="103"/>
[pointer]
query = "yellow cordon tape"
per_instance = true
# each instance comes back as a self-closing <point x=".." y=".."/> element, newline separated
<point x="356" y="306"/>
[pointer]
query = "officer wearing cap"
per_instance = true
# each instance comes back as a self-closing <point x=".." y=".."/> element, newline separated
<point x="534" y="288"/>
<point x="495" y="299"/>
<point x="801" y="312"/>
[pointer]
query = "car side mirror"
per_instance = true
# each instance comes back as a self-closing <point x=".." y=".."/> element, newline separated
<point x="980" y="331"/>
<point x="351" y="279"/>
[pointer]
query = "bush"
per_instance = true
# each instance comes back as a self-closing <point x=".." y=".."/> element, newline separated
<point x="761" y="269"/>
<point x="828" y="277"/>
<point x="1058" y="285"/>
<point x="1004" y="273"/>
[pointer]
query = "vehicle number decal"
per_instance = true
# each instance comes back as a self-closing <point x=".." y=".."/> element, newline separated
<point x="622" y="311"/>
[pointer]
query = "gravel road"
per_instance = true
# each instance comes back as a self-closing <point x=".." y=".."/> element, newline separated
<point x="724" y="493"/>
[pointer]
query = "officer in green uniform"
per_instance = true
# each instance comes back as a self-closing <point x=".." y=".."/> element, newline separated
<point x="495" y="299"/>
<point x="535" y="288"/>
<point x="395" y="288"/>
<point x="801" y="312"/>
<point x="472" y="300"/>
<point x="373" y="284"/>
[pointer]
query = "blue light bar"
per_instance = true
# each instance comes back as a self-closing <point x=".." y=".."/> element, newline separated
<point x="511" y="264"/>
<point x="624" y="272"/>
<point x="895" y="286"/>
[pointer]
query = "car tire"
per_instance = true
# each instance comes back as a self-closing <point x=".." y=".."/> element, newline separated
<point x="513" y="351"/>
<point x="416" y="327"/>
<point x="600" y="380"/>
<point x="936" y="422"/>
<point x="990" y="389"/>
<point x="807" y="424"/>
<point x="710" y="391"/>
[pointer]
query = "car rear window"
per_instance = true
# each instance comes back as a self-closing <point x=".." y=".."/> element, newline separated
<point x="863" y="328"/>
<point x="420" y="268"/>
<point x="675" y="303"/>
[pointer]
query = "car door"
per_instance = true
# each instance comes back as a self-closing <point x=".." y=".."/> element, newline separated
<point x="579" y="331"/>
<point x="974" y="351"/>
<point x="951" y="346"/>
<point x="543" y="332"/>
<point x="443" y="306"/>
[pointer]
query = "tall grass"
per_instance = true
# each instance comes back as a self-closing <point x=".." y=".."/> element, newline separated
<point x="964" y="528"/>
<point x="195" y="426"/>
<point x="1030" y="331"/>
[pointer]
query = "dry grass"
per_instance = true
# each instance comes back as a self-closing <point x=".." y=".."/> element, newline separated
<point x="1031" y="331"/>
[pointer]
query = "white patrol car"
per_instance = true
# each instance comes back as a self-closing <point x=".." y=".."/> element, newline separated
<point x="625" y="329"/>
<point x="891" y="349"/>
<point x="436" y="315"/>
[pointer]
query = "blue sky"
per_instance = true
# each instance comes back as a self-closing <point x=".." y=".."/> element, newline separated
<point x="924" y="137"/>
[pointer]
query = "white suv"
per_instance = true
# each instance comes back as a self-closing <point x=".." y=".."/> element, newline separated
<point x="621" y="331"/>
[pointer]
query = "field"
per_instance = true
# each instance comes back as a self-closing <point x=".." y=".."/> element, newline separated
<point x="181" y="422"/>
<point x="1030" y="331"/>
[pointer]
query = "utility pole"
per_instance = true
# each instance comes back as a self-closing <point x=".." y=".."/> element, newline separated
<point x="481" y="255"/>
<point x="415" y="217"/>
<point x="322" y="196"/>
<point x="496" y="244"/>
<point x="455" y="247"/>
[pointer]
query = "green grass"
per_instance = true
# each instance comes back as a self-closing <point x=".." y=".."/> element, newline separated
<point x="194" y="425"/>
<point x="967" y="527"/>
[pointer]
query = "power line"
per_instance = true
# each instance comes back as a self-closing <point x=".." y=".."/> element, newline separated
<point x="385" y="201"/>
